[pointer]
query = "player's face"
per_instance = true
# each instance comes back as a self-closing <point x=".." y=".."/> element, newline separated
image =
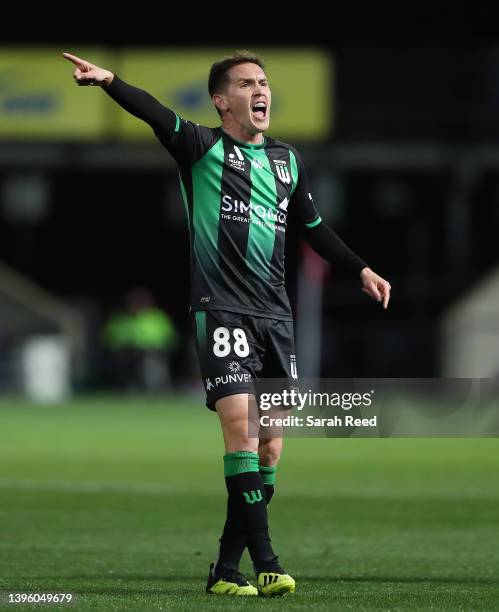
<point x="248" y="97"/>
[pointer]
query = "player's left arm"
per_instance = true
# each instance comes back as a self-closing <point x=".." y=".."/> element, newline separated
<point x="329" y="245"/>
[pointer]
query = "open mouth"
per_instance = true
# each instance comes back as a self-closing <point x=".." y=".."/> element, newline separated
<point x="259" y="110"/>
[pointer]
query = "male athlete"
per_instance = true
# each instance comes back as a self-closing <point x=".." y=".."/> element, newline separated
<point x="239" y="187"/>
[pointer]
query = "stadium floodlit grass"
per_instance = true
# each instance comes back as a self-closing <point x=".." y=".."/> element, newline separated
<point x="121" y="501"/>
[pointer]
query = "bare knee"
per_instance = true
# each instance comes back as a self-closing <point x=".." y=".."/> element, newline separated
<point x="233" y="414"/>
<point x="269" y="451"/>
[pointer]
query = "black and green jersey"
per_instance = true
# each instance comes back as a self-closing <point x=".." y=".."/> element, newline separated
<point x="237" y="198"/>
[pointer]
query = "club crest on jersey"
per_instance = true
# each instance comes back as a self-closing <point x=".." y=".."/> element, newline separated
<point x="236" y="159"/>
<point x="282" y="171"/>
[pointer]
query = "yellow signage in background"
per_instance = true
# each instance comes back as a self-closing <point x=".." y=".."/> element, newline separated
<point x="40" y="101"/>
<point x="300" y="79"/>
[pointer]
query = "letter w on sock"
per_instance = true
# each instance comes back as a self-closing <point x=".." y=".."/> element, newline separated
<point x="253" y="496"/>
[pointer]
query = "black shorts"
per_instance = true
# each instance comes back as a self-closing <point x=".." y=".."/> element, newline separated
<point x="236" y="350"/>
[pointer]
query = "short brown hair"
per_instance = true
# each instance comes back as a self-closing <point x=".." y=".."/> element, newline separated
<point x="219" y="72"/>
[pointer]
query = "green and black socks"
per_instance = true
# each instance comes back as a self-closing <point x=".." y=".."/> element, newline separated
<point x="268" y="478"/>
<point x="250" y="488"/>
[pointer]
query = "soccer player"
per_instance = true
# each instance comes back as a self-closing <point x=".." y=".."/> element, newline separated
<point x="239" y="186"/>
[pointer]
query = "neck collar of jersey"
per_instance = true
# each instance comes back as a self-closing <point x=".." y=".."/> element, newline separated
<point x="246" y="144"/>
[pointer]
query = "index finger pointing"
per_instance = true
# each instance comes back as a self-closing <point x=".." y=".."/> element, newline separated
<point x="73" y="58"/>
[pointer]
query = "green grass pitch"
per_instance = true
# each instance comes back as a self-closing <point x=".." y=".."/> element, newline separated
<point x="121" y="501"/>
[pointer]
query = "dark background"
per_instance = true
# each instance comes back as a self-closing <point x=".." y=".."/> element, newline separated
<point x="409" y="178"/>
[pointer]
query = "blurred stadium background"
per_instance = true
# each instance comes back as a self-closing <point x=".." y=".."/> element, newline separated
<point x="401" y="143"/>
<point x="400" y="146"/>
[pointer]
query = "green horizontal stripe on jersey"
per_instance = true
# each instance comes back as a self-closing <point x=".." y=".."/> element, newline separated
<point x="261" y="235"/>
<point x="313" y="223"/>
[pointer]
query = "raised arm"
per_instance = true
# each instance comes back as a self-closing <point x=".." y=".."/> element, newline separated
<point x="134" y="100"/>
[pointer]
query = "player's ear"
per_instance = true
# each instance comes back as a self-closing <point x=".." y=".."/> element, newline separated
<point x="220" y="102"/>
